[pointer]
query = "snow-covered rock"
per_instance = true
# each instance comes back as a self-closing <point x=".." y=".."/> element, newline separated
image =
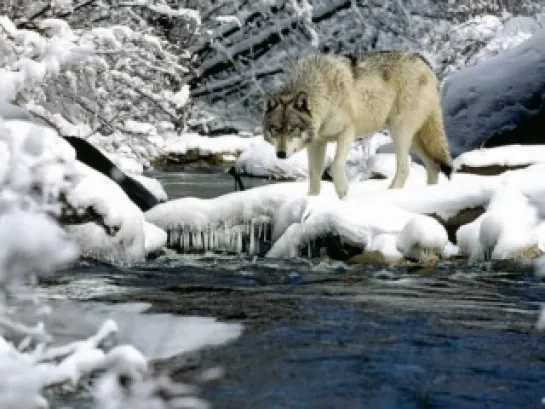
<point x="260" y="160"/>
<point x="499" y="216"/>
<point x="498" y="101"/>
<point x="120" y="236"/>
<point x="489" y="161"/>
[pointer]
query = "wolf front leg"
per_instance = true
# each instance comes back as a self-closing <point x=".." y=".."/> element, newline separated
<point x="338" y="168"/>
<point x="316" y="160"/>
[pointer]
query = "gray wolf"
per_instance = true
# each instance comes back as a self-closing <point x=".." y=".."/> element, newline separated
<point x="328" y="98"/>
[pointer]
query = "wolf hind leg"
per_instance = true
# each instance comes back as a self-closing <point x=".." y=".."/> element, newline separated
<point x="432" y="168"/>
<point x="316" y="159"/>
<point x="434" y="142"/>
<point x="402" y="140"/>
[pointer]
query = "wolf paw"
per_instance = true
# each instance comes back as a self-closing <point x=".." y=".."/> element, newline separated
<point x="342" y="192"/>
<point x="314" y="190"/>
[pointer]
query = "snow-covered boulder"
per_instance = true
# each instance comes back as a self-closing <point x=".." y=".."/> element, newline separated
<point x="498" y="101"/>
<point x="187" y="148"/>
<point x="260" y="160"/>
<point x="493" y="161"/>
<point x="97" y="214"/>
<point x="118" y="234"/>
<point x="499" y="217"/>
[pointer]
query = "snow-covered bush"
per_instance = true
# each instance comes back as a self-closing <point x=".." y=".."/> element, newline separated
<point x="93" y="68"/>
<point x="38" y="170"/>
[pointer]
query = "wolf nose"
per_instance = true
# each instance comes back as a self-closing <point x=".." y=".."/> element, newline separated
<point x="281" y="155"/>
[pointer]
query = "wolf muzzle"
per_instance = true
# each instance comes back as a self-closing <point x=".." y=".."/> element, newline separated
<point x="281" y="155"/>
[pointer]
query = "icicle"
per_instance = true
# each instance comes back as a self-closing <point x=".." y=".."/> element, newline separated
<point x="239" y="242"/>
<point x="251" y="248"/>
<point x="200" y="240"/>
<point x="185" y="239"/>
<point x="176" y="236"/>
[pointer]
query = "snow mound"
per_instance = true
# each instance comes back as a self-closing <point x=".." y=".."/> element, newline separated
<point x="509" y="224"/>
<point x="226" y="145"/>
<point x="155" y="238"/>
<point x="119" y="238"/>
<point x="260" y="160"/>
<point x="421" y="233"/>
<point x="281" y="221"/>
<point x="505" y="156"/>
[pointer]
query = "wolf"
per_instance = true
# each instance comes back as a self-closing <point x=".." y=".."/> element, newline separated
<point x="335" y="98"/>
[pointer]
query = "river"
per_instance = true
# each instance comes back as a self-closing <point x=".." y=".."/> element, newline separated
<point x="321" y="334"/>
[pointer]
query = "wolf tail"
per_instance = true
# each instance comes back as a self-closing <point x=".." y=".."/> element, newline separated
<point x="433" y="139"/>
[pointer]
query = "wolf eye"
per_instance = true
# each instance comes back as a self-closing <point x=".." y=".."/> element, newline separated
<point x="295" y="130"/>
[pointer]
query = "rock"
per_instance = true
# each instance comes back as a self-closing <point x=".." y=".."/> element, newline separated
<point x="489" y="170"/>
<point x="525" y="253"/>
<point x="499" y="101"/>
<point x="494" y="161"/>
<point x="465" y="216"/>
<point x="94" y="158"/>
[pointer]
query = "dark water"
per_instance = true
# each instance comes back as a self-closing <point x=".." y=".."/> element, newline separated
<point x="203" y="183"/>
<point x="326" y="335"/>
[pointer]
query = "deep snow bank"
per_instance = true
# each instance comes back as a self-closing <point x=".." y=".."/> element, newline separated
<point x="498" y="101"/>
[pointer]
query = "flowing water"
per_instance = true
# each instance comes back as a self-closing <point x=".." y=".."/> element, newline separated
<point x="327" y="335"/>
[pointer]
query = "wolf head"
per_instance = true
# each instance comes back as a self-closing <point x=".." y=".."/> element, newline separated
<point x="287" y="123"/>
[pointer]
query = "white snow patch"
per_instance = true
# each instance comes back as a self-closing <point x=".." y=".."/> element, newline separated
<point x="421" y="233"/>
<point x="155" y="238"/>
<point x="507" y="156"/>
<point x="220" y="145"/>
<point x="260" y="160"/>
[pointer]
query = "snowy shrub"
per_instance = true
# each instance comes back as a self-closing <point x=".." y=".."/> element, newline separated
<point x="93" y="67"/>
<point x="37" y="169"/>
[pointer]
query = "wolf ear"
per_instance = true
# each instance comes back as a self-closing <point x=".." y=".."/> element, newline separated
<point x="301" y="102"/>
<point x="270" y="102"/>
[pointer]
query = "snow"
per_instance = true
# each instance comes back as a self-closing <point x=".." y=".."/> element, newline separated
<point x="155" y="238"/>
<point x="421" y="232"/>
<point x="152" y="185"/>
<point x="39" y="168"/>
<point x="495" y="95"/>
<point x="85" y="188"/>
<point x="396" y="223"/>
<point x="204" y="146"/>
<point x="506" y="156"/>
<point x="124" y="242"/>
<point x="508" y="225"/>
<point x="260" y="159"/>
